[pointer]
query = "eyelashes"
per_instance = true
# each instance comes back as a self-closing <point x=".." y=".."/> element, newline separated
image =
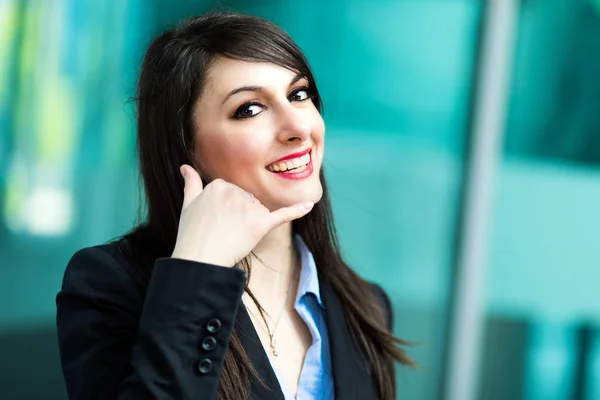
<point x="253" y="108"/>
<point x="248" y="110"/>
<point x="296" y="94"/>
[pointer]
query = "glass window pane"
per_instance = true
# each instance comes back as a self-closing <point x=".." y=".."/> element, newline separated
<point x="542" y="292"/>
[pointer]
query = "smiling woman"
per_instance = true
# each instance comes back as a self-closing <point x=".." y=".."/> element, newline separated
<point x="233" y="287"/>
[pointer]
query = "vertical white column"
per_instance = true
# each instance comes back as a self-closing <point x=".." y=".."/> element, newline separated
<point x="467" y="315"/>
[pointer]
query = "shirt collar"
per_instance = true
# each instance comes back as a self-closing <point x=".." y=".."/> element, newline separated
<point x="309" y="280"/>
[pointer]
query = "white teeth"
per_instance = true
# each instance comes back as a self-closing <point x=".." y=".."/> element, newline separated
<point x="290" y="164"/>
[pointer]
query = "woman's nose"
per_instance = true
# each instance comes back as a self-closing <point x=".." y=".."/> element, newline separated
<point x="293" y="127"/>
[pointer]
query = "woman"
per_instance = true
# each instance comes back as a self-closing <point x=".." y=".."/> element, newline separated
<point x="233" y="287"/>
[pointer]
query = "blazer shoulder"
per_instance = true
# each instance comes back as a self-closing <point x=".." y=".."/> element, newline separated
<point x="103" y="269"/>
<point x="385" y="302"/>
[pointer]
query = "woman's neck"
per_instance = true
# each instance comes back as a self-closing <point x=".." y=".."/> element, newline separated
<point x="274" y="261"/>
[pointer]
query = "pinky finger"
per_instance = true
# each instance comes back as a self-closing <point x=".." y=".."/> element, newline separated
<point x="288" y="214"/>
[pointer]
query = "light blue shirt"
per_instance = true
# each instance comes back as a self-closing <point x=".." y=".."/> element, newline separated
<point x="316" y="379"/>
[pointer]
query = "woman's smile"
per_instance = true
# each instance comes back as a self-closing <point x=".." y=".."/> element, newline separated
<point x="294" y="166"/>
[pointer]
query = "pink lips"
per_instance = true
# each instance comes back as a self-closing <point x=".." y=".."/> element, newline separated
<point x="305" y="173"/>
<point x="293" y="155"/>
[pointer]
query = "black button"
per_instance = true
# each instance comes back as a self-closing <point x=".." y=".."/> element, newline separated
<point x="209" y="343"/>
<point x="214" y="325"/>
<point x="204" y="366"/>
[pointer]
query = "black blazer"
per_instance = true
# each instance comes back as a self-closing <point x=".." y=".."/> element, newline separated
<point x="121" y="337"/>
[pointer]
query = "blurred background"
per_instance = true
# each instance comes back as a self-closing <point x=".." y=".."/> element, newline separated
<point x="463" y="158"/>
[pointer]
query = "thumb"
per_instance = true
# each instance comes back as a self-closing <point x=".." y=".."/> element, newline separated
<point x="193" y="184"/>
<point x="287" y="214"/>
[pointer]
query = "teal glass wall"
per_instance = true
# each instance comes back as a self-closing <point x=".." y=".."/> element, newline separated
<point x="543" y="300"/>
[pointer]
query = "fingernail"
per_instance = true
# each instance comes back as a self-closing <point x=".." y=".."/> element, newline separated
<point x="308" y="205"/>
<point x="182" y="171"/>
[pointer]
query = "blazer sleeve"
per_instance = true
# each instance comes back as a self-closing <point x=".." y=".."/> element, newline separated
<point x="117" y="342"/>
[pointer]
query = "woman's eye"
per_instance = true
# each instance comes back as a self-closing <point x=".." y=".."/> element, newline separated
<point x="300" y="95"/>
<point x="248" y="111"/>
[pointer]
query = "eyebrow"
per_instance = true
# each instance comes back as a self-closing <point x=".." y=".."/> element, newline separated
<point x="258" y="89"/>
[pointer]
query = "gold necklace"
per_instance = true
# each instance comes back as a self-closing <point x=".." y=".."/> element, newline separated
<point x="271" y="333"/>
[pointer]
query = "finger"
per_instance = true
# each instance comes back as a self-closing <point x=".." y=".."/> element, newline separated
<point x="287" y="214"/>
<point x="193" y="184"/>
<point x="252" y="198"/>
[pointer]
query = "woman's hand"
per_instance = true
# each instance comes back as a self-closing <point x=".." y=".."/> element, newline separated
<point x="222" y="223"/>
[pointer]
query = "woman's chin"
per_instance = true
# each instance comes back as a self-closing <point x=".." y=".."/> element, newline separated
<point x="314" y="197"/>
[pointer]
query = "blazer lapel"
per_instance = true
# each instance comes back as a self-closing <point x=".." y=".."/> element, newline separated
<point x="351" y="378"/>
<point x="256" y="353"/>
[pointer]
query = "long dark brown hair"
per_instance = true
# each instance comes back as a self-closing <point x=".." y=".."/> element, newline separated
<point x="171" y="80"/>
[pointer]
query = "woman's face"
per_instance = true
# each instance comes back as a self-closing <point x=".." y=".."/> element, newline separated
<point x="257" y="127"/>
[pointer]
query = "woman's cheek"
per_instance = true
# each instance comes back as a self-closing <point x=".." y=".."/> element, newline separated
<point x="247" y="151"/>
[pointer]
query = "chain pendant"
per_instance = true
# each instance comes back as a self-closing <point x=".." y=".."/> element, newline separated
<point x="273" y="347"/>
